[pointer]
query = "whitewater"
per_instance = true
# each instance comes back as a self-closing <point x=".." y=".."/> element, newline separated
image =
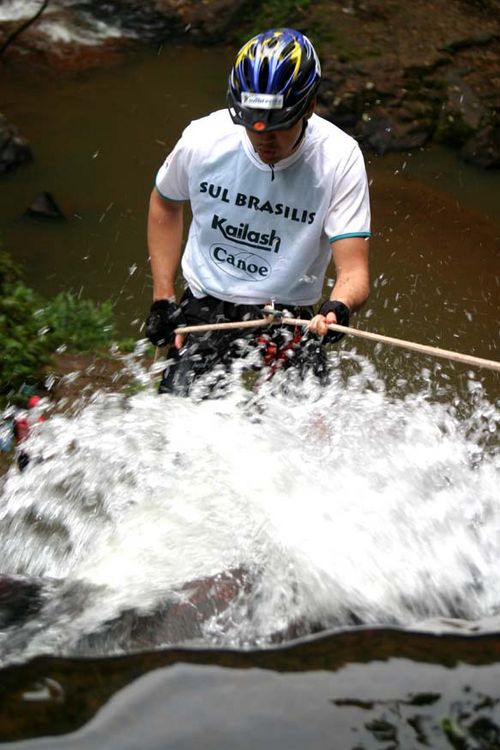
<point x="351" y="505"/>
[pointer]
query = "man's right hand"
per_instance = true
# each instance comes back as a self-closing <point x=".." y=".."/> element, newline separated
<point x="164" y="317"/>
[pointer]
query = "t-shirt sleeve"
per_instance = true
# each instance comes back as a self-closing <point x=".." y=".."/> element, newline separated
<point x="349" y="212"/>
<point x="172" y="180"/>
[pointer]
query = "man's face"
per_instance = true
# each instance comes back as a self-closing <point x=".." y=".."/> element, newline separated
<point x="276" y="145"/>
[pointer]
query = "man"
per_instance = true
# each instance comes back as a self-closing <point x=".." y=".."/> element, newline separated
<point x="275" y="191"/>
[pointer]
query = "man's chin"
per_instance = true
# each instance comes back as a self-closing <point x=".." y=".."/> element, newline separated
<point x="269" y="157"/>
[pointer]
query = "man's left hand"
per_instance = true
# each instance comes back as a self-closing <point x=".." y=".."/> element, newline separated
<point x="331" y="311"/>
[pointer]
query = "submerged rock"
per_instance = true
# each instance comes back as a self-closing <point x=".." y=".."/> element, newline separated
<point x="14" y="148"/>
<point x="45" y="205"/>
<point x="483" y="147"/>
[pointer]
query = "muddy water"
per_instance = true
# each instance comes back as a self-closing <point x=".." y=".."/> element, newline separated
<point x="98" y="140"/>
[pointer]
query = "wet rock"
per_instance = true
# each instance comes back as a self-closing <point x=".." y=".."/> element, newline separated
<point x="383" y="134"/>
<point x="14" y="148"/>
<point x="469" y="114"/>
<point x="178" y="620"/>
<point x="20" y="598"/>
<point x="161" y="20"/>
<point x="150" y="21"/>
<point x="210" y="19"/>
<point x="381" y="106"/>
<point x="443" y="98"/>
<point x="92" y="33"/>
<point x="483" y="147"/>
<point x="45" y="205"/>
<point x="79" y="43"/>
<point x="461" y="112"/>
<point x="474" y="40"/>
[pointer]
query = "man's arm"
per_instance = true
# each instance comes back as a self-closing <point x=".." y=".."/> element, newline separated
<point x="165" y="225"/>
<point x="352" y="285"/>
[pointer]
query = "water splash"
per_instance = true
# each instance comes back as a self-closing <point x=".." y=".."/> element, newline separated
<point x="327" y="507"/>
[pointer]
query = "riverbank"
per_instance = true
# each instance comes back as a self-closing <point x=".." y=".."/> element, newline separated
<point x="396" y="75"/>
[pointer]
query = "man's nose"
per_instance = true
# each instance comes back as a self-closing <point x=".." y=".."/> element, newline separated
<point x="266" y="137"/>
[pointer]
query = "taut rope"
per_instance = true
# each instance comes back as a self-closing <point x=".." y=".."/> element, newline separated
<point x="433" y="351"/>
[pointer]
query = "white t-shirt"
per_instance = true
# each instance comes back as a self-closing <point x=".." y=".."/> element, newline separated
<point x="262" y="234"/>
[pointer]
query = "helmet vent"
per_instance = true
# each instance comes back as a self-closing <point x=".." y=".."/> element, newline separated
<point x="264" y="76"/>
<point x="247" y="71"/>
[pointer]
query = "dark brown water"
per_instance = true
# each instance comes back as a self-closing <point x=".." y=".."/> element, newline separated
<point x="98" y="139"/>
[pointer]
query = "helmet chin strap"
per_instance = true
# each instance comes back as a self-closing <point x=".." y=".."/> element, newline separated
<point x="302" y="133"/>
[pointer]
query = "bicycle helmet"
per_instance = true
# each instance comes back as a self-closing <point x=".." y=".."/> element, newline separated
<point x="273" y="80"/>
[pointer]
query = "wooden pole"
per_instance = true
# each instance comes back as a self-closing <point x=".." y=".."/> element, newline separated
<point x="413" y="346"/>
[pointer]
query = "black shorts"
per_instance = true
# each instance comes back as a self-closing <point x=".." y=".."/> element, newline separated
<point x="278" y="346"/>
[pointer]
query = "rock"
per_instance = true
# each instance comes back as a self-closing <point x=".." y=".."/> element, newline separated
<point x="14" y="148"/>
<point x="383" y="134"/>
<point x="443" y="99"/>
<point x="483" y="147"/>
<point x="209" y="20"/>
<point x="465" y="123"/>
<point x="151" y="20"/>
<point x="382" y="106"/>
<point x="130" y="23"/>
<point x="475" y="40"/>
<point x="20" y="598"/>
<point x="180" y="618"/>
<point x="46" y="206"/>
<point x="161" y="20"/>
<point x="461" y="112"/>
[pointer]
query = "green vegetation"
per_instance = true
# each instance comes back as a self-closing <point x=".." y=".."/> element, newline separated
<point x="273" y="14"/>
<point x="31" y="329"/>
<point x="79" y="324"/>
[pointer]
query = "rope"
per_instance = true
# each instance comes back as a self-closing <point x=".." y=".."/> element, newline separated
<point x="433" y="351"/>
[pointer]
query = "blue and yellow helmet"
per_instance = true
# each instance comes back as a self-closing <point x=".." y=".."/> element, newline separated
<point x="273" y="80"/>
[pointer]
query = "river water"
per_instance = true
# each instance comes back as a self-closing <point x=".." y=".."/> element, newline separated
<point x="347" y="537"/>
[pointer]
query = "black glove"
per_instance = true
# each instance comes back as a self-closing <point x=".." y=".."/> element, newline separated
<point x="342" y="314"/>
<point x="164" y="317"/>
